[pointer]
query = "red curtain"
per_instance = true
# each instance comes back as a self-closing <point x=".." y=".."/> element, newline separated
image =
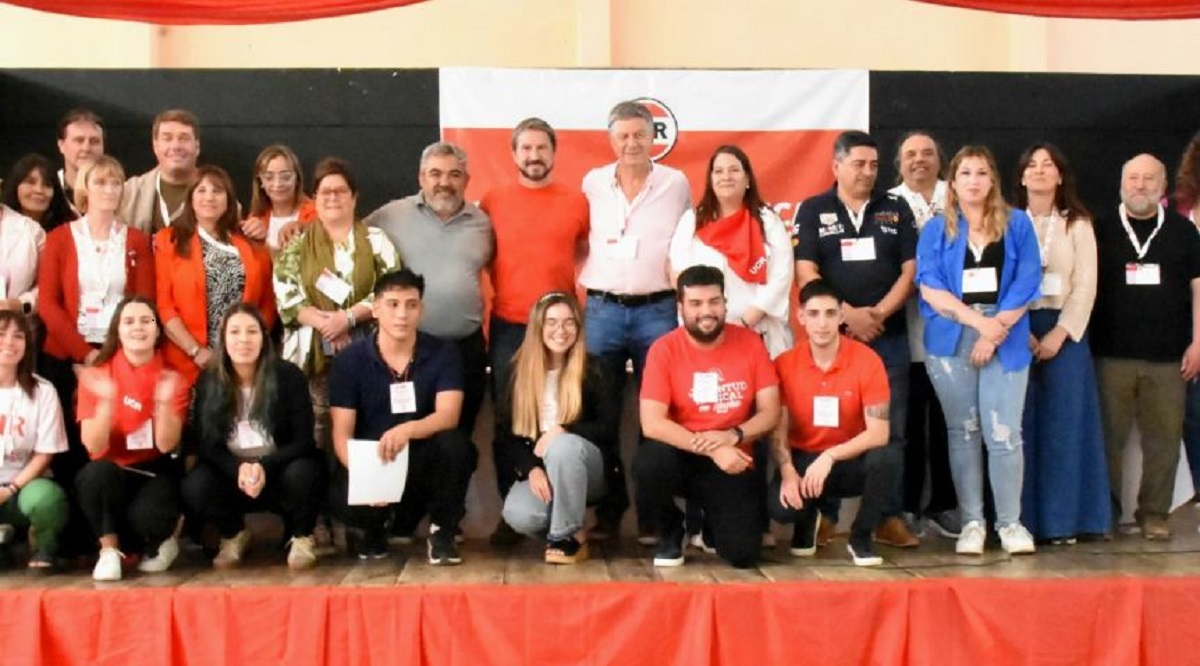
<point x="1096" y="9"/>
<point x="212" y="12"/>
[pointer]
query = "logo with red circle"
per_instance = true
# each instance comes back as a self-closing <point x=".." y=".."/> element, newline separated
<point x="666" y="128"/>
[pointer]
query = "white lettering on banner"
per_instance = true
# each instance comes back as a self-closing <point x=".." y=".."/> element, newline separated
<point x="131" y="403"/>
<point x="758" y="265"/>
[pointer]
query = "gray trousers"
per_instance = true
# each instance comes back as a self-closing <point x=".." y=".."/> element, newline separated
<point x="1152" y="395"/>
<point x="575" y="469"/>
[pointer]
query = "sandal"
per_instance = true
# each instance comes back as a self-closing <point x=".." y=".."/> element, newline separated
<point x="566" y="551"/>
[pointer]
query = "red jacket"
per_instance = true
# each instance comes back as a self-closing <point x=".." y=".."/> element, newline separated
<point x="182" y="291"/>
<point x="58" y="288"/>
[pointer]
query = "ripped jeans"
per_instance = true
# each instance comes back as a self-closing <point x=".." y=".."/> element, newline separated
<point x="967" y="393"/>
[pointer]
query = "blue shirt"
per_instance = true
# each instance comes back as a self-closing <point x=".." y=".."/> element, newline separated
<point x="940" y="266"/>
<point x="361" y="380"/>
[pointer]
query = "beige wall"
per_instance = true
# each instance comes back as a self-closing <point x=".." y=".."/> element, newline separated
<point x="870" y="34"/>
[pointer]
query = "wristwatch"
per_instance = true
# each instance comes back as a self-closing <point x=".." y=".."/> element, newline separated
<point x="741" y="434"/>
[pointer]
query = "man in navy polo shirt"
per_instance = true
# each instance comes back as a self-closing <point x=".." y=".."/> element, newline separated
<point x="403" y="388"/>
<point x="863" y="243"/>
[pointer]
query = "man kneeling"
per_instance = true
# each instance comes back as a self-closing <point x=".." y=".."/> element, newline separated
<point x="403" y="388"/>
<point x="836" y="393"/>
<point x="708" y="392"/>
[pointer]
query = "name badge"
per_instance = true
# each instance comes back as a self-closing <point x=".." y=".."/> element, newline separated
<point x="623" y="247"/>
<point x="141" y="439"/>
<point x="858" y="249"/>
<point x="825" y="411"/>
<point x="1142" y="274"/>
<point x="94" y="313"/>
<point x="705" y="387"/>
<point x="979" y="280"/>
<point x="1052" y="284"/>
<point x="248" y="436"/>
<point x="337" y="289"/>
<point x="404" y="398"/>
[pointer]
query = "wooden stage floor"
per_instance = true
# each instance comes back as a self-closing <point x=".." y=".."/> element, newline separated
<point x="626" y="561"/>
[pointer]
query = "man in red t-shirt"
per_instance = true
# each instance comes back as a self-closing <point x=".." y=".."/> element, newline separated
<point x="708" y="392"/>
<point x="836" y="393"/>
<point x="541" y="232"/>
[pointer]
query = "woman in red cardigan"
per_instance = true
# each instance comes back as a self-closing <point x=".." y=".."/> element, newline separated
<point x="204" y="267"/>
<point x="87" y="268"/>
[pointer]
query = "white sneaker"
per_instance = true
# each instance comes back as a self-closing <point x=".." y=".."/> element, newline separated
<point x="301" y="553"/>
<point x="108" y="565"/>
<point x="970" y="542"/>
<point x="168" y="550"/>
<point x="1016" y="540"/>
<point x="232" y="550"/>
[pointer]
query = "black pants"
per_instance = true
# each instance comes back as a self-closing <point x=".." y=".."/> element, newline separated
<point x="732" y="503"/>
<point x="439" y="470"/>
<point x="473" y="352"/>
<point x="870" y="475"/>
<point x="926" y="435"/>
<point x="141" y="510"/>
<point x="294" y="492"/>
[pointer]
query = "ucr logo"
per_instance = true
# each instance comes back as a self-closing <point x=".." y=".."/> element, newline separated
<point x="666" y="128"/>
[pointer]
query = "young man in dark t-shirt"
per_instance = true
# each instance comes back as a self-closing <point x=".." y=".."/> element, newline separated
<point x="403" y="388"/>
<point x="1143" y="337"/>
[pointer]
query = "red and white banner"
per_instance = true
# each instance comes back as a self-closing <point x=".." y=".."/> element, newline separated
<point x="786" y="121"/>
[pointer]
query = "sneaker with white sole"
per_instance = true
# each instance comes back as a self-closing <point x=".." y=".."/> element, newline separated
<point x="232" y="550"/>
<point x="168" y="550"/>
<point x="108" y="565"/>
<point x="970" y="541"/>
<point x="862" y="553"/>
<point x="302" y="553"/>
<point x="945" y="523"/>
<point x="1016" y="540"/>
<point x="669" y="552"/>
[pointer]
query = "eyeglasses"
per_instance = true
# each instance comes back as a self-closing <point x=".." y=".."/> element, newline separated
<point x="563" y="324"/>
<point x="281" y="177"/>
<point x="333" y="193"/>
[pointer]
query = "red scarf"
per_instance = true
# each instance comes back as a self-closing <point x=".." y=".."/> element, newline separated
<point x="740" y="238"/>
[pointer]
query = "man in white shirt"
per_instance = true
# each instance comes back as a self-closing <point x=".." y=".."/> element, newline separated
<point x="634" y="207"/>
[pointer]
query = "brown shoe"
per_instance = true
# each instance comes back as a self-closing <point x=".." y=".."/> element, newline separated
<point x="826" y="531"/>
<point x="893" y="532"/>
<point x="1155" y="528"/>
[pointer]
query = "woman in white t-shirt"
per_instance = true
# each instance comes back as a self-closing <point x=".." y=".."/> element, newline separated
<point x="31" y="432"/>
<point x="277" y="198"/>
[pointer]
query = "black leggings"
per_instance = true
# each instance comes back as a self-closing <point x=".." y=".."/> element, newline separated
<point x="295" y="492"/>
<point x="141" y="510"/>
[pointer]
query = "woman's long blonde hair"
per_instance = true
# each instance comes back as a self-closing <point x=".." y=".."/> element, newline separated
<point x="995" y="209"/>
<point x="532" y="361"/>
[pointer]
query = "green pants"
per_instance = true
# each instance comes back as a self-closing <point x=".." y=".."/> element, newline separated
<point x="42" y="506"/>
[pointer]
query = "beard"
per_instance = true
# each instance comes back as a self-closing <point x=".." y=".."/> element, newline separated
<point x="700" y="335"/>
<point x="531" y="175"/>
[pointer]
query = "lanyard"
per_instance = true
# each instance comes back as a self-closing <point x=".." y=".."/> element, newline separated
<point x="857" y="219"/>
<point x="1139" y="248"/>
<point x="397" y="376"/>
<point x="1051" y="225"/>
<point x="167" y="216"/>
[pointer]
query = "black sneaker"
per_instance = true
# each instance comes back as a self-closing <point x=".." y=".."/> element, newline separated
<point x="443" y="551"/>
<point x="669" y="552"/>
<point x="804" y="533"/>
<point x="862" y="553"/>
<point x="373" y="546"/>
<point x="505" y="536"/>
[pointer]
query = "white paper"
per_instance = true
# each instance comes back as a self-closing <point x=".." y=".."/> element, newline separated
<point x="979" y="280"/>
<point x="705" y="388"/>
<point x="1142" y="274"/>
<point x="141" y="439"/>
<point x="625" y="247"/>
<point x="371" y="480"/>
<point x="404" y="398"/>
<point x="1052" y="284"/>
<point x="337" y="289"/>
<point x="825" y="411"/>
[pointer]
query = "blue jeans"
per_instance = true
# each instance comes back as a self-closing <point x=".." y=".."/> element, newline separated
<point x="617" y="333"/>
<point x="985" y="401"/>
<point x="1191" y="431"/>
<point x="575" y="470"/>
<point x="896" y="356"/>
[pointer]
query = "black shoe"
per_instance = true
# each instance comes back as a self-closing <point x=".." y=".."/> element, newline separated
<point x="443" y="551"/>
<point x="505" y="536"/>
<point x="862" y="552"/>
<point x="669" y="552"/>
<point x="373" y="545"/>
<point x="804" y="533"/>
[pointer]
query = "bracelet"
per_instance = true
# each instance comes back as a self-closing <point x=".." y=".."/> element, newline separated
<point x="12" y="488"/>
<point x="351" y="320"/>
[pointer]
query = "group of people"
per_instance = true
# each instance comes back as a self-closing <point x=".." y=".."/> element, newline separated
<point x="170" y="361"/>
